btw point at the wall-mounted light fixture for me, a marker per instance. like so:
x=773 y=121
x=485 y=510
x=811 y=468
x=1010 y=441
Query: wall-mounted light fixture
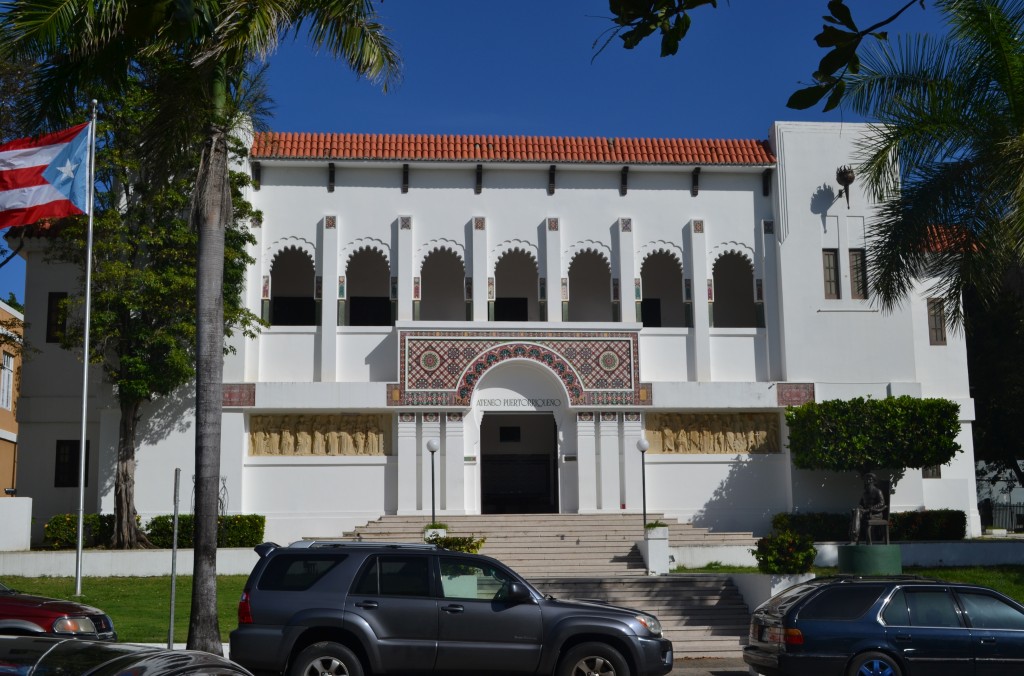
x=845 y=177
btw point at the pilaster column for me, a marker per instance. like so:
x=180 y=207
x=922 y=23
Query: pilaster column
x=479 y=269
x=553 y=270
x=609 y=448
x=627 y=271
x=407 y=488
x=586 y=461
x=700 y=345
x=431 y=429
x=454 y=464
x=327 y=287
x=632 y=432
x=405 y=268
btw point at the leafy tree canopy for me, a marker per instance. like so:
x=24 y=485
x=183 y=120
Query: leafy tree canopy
x=636 y=20
x=865 y=435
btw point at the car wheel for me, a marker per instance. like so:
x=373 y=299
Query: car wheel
x=593 y=659
x=326 y=658
x=874 y=664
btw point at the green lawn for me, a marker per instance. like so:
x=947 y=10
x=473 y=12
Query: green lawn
x=140 y=606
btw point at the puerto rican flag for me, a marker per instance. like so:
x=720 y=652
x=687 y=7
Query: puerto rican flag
x=44 y=177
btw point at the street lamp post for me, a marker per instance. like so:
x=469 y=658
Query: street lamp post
x=642 y=445
x=432 y=446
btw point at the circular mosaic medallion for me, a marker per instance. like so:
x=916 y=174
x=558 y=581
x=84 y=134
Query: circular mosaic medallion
x=430 y=360
x=609 y=361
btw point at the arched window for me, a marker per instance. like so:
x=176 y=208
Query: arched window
x=443 y=287
x=590 y=283
x=734 y=305
x=292 y=288
x=662 y=283
x=369 y=290
x=515 y=288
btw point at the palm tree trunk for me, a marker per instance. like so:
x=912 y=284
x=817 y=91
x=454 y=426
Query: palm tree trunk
x=127 y=534
x=213 y=205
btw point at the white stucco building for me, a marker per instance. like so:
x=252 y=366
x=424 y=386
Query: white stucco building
x=537 y=306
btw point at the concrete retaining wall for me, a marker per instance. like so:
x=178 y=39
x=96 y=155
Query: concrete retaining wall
x=107 y=563
x=954 y=553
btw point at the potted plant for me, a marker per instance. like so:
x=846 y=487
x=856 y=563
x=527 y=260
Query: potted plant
x=434 y=529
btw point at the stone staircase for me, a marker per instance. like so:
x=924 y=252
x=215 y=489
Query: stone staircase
x=595 y=557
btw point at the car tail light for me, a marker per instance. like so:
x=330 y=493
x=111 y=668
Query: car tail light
x=244 y=610
x=793 y=637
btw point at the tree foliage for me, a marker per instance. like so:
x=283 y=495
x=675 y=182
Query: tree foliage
x=80 y=44
x=946 y=161
x=865 y=435
x=636 y=20
x=143 y=309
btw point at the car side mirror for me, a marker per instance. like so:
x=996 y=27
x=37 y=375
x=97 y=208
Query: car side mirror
x=518 y=593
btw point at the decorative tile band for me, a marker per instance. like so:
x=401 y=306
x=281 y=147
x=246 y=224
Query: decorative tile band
x=609 y=417
x=443 y=368
x=631 y=417
x=431 y=417
x=454 y=417
x=794 y=394
x=585 y=417
x=239 y=394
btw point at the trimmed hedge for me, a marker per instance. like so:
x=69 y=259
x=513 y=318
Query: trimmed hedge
x=933 y=524
x=238 y=530
x=785 y=553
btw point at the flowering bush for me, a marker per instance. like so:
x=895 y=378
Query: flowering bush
x=785 y=553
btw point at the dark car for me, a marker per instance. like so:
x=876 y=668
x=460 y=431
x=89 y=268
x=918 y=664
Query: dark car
x=887 y=626
x=44 y=656
x=354 y=608
x=27 y=614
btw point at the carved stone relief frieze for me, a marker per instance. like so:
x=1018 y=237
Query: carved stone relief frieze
x=713 y=432
x=338 y=434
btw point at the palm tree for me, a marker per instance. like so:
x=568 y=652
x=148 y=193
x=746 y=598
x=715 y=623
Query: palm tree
x=946 y=160
x=82 y=43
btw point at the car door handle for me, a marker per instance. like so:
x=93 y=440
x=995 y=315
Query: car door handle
x=367 y=604
x=454 y=608
x=988 y=641
x=903 y=637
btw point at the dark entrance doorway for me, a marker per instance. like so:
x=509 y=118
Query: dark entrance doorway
x=518 y=463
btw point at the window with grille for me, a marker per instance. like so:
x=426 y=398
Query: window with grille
x=858 y=274
x=65 y=467
x=936 y=322
x=830 y=267
x=55 y=320
x=7 y=382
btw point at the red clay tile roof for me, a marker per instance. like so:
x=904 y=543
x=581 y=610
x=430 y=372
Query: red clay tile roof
x=481 y=148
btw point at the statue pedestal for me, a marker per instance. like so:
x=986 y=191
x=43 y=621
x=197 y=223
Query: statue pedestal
x=870 y=560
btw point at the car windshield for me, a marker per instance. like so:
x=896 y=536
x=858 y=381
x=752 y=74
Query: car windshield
x=781 y=601
x=4 y=589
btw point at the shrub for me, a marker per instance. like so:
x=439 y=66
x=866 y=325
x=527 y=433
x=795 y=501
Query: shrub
x=785 y=553
x=61 y=531
x=932 y=524
x=469 y=545
x=657 y=523
x=819 y=526
x=237 y=530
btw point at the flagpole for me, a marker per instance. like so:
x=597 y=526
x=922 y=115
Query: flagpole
x=83 y=444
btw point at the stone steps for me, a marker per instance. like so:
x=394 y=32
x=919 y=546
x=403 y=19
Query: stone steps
x=595 y=557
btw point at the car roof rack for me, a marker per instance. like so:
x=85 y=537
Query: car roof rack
x=359 y=544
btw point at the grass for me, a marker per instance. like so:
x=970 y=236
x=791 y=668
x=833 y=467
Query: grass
x=1006 y=579
x=140 y=606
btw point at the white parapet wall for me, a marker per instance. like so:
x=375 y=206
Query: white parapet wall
x=110 y=563
x=16 y=516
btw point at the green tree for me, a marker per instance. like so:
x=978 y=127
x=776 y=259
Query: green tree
x=82 y=43
x=873 y=435
x=636 y=20
x=947 y=158
x=143 y=316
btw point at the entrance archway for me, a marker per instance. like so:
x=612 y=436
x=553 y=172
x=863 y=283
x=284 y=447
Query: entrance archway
x=518 y=463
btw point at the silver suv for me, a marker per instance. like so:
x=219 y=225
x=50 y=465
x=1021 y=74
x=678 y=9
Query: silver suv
x=320 y=608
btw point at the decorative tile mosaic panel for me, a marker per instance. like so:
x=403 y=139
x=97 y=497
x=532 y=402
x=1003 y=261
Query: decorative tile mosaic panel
x=626 y=224
x=553 y=224
x=794 y=394
x=609 y=417
x=479 y=223
x=443 y=368
x=239 y=394
x=405 y=222
x=331 y=222
x=698 y=225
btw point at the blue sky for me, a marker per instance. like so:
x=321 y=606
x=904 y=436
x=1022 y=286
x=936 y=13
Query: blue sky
x=528 y=67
